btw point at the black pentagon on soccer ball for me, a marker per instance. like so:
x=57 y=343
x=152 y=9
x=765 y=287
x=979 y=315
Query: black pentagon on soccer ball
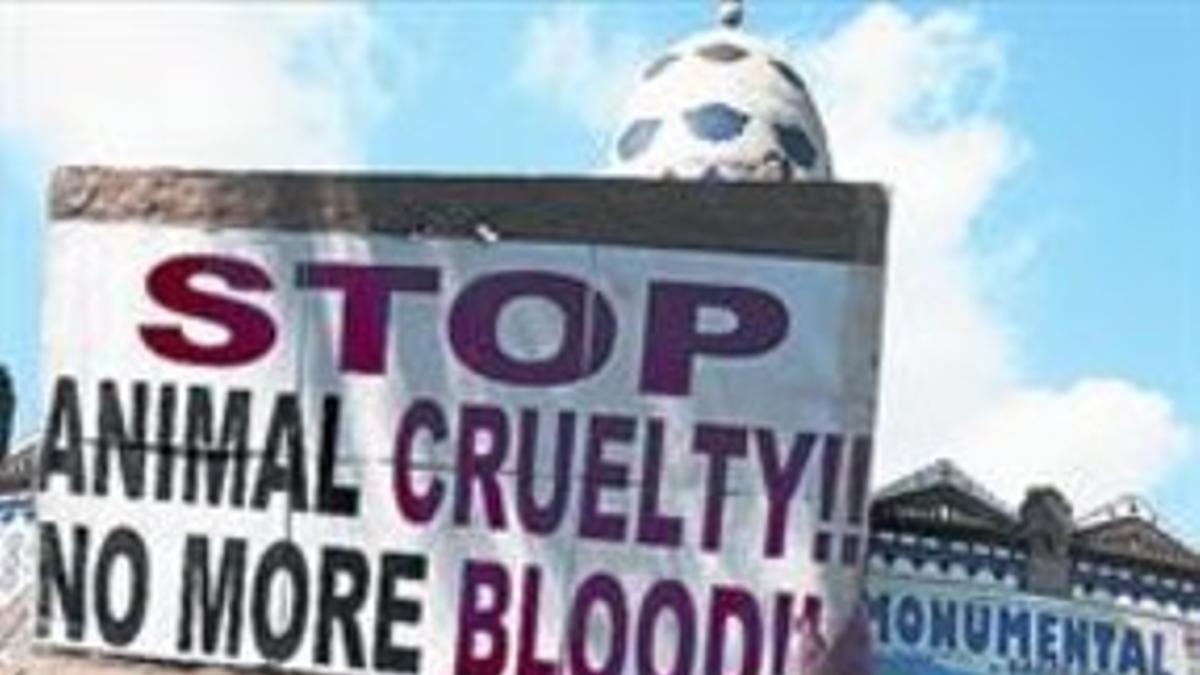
x=716 y=121
x=796 y=144
x=637 y=137
x=722 y=52
x=788 y=74
x=660 y=64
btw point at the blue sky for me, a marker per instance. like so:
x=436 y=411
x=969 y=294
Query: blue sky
x=1043 y=318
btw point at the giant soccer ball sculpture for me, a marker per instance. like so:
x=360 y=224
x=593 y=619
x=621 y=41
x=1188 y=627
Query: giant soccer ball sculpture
x=721 y=105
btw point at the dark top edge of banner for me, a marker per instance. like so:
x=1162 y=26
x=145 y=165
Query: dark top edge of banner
x=832 y=221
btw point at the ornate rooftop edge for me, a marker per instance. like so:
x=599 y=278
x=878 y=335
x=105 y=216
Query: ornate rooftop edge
x=940 y=519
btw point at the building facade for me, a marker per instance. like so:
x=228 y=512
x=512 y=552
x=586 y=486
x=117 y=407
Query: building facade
x=961 y=582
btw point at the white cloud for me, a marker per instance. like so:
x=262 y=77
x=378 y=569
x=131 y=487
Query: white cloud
x=570 y=64
x=1097 y=439
x=908 y=101
x=192 y=84
x=887 y=85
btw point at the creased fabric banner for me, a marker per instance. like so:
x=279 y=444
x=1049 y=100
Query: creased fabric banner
x=360 y=452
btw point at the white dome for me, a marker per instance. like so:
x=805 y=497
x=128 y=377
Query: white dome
x=721 y=105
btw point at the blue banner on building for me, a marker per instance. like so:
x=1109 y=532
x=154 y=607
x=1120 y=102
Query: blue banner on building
x=929 y=627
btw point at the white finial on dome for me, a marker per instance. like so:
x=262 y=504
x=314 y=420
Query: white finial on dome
x=721 y=105
x=730 y=13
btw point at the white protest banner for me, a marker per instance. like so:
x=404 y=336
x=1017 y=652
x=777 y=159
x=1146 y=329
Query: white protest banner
x=395 y=449
x=924 y=627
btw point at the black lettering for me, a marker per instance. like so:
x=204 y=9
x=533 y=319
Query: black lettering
x=200 y=449
x=334 y=499
x=389 y=609
x=197 y=589
x=53 y=577
x=62 y=447
x=121 y=543
x=285 y=557
x=332 y=607
x=164 y=480
x=197 y=437
x=277 y=474
x=129 y=443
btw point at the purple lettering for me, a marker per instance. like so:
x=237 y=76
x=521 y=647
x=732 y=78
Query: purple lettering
x=485 y=621
x=674 y=339
x=652 y=526
x=603 y=591
x=422 y=415
x=781 y=479
x=528 y=662
x=366 y=309
x=733 y=604
x=719 y=443
x=599 y=473
x=251 y=332
x=480 y=462
x=589 y=328
x=664 y=596
x=534 y=517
